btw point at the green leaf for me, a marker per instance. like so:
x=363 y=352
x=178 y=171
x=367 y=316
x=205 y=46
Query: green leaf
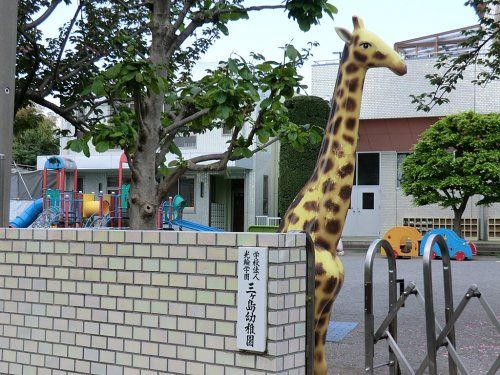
x=291 y=52
x=98 y=88
x=246 y=152
x=139 y=77
x=223 y=28
x=163 y=169
x=330 y=10
x=173 y=148
x=85 y=149
x=223 y=112
x=232 y=66
x=102 y=146
x=265 y=103
x=75 y=145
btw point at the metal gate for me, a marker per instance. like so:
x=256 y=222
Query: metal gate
x=388 y=328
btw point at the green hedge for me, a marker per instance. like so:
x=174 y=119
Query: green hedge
x=296 y=167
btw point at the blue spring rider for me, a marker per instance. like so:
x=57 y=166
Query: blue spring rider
x=459 y=248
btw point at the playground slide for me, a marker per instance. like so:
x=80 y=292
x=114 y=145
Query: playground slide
x=27 y=217
x=194 y=226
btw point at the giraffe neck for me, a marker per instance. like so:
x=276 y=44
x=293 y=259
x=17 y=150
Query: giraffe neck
x=321 y=207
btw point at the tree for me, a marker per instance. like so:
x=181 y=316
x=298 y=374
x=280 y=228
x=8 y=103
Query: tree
x=454 y=159
x=147 y=50
x=302 y=110
x=481 y=47
x=34 y=134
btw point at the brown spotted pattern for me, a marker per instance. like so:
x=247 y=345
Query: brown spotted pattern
x=321 y=206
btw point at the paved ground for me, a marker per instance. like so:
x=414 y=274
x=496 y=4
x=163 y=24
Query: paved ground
x=477 y=341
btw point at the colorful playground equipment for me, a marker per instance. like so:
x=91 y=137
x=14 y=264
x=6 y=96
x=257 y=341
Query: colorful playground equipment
x=68 y=208
x=408 y=242
x=459 y=248
x=404 y=240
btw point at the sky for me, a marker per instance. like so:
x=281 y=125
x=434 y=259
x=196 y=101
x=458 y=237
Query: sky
x=266 y=31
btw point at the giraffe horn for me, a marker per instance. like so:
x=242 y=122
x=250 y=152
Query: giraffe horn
x=358 y=22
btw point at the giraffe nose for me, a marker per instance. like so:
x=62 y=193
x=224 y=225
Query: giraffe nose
x=400 y=69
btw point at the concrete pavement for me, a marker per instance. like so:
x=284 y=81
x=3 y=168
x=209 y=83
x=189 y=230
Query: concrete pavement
x=477 y=341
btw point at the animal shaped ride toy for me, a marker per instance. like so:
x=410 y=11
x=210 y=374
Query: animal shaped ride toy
x=320 y=208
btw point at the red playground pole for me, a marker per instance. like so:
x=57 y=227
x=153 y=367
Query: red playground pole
x=66 y=211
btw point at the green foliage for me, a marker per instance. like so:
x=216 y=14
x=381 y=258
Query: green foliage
x=481 y=48
x=34 y=134
x=454 y=159
x=295 y=167
x=309 y=12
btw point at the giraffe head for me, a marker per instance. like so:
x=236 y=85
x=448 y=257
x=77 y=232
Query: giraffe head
x=368 y=50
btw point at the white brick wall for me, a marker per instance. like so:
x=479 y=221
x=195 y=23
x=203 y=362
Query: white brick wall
x=115 y=302
x=387 y=95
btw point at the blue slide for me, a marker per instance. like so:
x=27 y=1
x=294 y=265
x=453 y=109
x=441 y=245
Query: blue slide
x=28 y=216
x=194 y=226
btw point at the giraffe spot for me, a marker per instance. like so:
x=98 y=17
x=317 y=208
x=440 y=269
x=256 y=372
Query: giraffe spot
x=317 y=337
x=327 y=165
x=336 y=124
x=316 y=284
x=323 y=338
x=318 y=356
x=311 y=206
x=345 y=192
x=360 y=56
x=348 y=139
x=322 y=320
x=321 y=243
x=323 y=304
x=330 y=285
x=332 y=226
x=371 y=65
x=340 y=92
x=293 y=218
x=351 y=68
x=349 y=104
x=355 y=40
x=350 y=123
x=346 y=170
x=379 y=55
x=328 y=185
x=352 y=85
x=328 y=307
x=281 y=227
x=332 y=206
x=319 y=270
x=310 y=226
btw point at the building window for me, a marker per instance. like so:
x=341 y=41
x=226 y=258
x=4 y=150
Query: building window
x=185 y=188
x=400 y=158
x=79 y=184
x=186 y=142
x=227 y=131
x=112 y=185
x=265 y=196
x=368 y=167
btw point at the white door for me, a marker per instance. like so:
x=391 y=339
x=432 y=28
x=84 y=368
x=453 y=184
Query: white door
x=363 y=216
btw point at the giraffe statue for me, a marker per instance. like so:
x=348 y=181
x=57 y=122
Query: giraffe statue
x=320 y=208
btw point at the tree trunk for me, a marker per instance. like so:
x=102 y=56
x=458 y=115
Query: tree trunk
x=457 y=223
x=143 y=198
x=457 y=219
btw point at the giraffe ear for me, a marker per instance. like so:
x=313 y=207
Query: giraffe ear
x=358 y=23
x=344 y=34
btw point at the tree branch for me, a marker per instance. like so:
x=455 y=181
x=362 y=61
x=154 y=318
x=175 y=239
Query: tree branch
x=44 y=16
x=66 y=37
x=34 y=97
x=21 y=94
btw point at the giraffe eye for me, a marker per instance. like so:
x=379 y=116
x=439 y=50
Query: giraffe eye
x=365 y=45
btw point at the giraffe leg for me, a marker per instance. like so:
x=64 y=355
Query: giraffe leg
x=320 y=363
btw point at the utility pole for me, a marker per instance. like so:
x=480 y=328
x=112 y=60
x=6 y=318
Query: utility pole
x=8 y=39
